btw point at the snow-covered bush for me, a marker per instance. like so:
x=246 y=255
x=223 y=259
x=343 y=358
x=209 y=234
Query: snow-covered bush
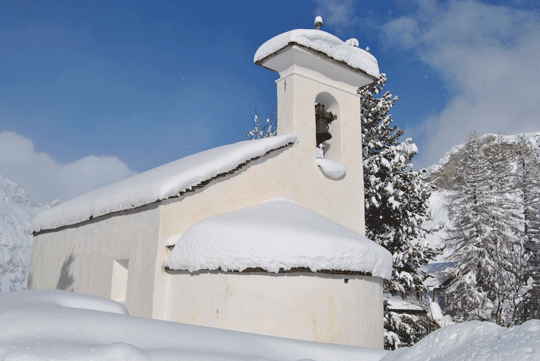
x=269 y=129
x=404 y=329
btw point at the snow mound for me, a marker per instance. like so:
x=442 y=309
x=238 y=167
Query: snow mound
x=157 y=184
x=60 y=298
x=52 y=333
x=475 y=341
x=325 y=43
x=276 y=235
x=332 y=169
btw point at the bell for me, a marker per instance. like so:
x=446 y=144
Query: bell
x=322 y=117
x=322 y=133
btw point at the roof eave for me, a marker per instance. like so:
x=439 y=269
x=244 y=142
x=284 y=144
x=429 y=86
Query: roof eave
x=318 y=52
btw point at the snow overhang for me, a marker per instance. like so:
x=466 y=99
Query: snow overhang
x=276 y=236
x=275 y=55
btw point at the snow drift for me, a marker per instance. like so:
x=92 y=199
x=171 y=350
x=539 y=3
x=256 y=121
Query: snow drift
x=50 y=332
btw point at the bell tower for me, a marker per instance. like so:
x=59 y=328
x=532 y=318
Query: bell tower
x=317 y=69
x=318 y=102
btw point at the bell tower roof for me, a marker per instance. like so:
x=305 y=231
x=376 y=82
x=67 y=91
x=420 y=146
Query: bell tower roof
x=347 y=54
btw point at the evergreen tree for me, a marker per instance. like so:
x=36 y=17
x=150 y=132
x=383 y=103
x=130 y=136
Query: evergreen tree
x=528 y=189
x=466 y=296
x=506 y=231
x=484 y=237
x=396 y=204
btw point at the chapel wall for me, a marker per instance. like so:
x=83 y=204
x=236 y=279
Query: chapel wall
x=304 y=306
x=81 y=258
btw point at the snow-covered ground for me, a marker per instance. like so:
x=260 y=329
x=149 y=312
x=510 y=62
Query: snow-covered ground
x=475 y=341
x=59 y=325
x=64 y=327
x=16 y=212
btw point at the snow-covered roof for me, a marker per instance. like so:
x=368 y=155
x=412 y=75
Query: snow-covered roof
x=274 y=235
x=398 y=304
x=157 y=184
x=436 y=275
x=323 y=42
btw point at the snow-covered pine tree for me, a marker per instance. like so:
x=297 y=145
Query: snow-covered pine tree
x=396 y=205
x=467 y=295
x=506 y=230
x=528 y=189
x=484 y=236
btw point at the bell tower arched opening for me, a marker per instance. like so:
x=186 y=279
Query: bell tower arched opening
x=332 y=146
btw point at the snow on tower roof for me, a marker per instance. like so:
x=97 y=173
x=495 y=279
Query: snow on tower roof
x=274 y=235
x=323 y=42
x=157 y=184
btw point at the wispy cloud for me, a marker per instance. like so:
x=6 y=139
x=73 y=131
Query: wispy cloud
x=488 y=56
x=340 y=14
x=46 y=180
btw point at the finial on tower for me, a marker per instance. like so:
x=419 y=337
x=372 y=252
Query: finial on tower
x=318 y=22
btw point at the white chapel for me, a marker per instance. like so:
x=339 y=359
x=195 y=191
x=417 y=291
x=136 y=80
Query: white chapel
x=261 y=236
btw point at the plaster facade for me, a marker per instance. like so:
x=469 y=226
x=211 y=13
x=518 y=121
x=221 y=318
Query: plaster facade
x=317 y=307
x=81 y=258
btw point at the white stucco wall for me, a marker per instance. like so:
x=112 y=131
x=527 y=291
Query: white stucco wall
x=300 y=116
x=81 y=258
x=305 y=306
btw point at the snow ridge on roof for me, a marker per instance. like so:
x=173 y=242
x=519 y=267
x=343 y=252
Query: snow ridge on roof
x=324 y=42
x=274 y=235
x=157 y=184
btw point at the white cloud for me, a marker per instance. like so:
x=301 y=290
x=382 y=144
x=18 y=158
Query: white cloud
x=488 y=55
x=340 y=14
x=45 y=179
x=402 y=32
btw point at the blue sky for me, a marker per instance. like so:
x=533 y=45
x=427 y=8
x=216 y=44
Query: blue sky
x=94 y=91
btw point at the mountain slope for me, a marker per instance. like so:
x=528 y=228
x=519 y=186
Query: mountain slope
x=443 y=173
x=16 y=212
